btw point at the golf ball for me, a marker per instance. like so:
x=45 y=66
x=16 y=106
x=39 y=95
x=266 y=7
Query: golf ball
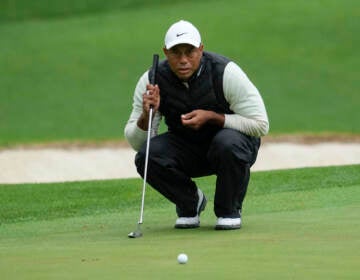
x=182 y=258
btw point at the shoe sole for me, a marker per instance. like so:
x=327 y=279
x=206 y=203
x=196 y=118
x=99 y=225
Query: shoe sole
x=228 y=227
x=187 y=226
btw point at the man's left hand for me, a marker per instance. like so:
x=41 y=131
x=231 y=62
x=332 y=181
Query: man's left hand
x=198 y=118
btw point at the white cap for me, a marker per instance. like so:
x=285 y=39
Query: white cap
x=182 y=32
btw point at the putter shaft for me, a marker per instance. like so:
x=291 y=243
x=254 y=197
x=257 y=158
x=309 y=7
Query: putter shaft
x=138 y=233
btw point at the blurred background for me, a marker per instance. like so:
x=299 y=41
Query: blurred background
x=68 y=68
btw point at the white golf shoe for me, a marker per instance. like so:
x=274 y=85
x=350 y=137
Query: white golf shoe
x=228 y=223
x=192 y=222
x=187 y=222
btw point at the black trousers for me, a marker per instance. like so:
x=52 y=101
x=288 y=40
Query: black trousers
x=174 y=161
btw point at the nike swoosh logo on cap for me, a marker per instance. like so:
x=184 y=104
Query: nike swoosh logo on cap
x=180 y=34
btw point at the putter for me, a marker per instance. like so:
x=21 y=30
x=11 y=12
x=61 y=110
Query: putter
x=138 y=233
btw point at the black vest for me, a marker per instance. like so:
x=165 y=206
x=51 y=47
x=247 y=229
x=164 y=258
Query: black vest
x=205 y=92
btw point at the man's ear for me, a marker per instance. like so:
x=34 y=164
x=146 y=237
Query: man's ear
x=165 y=51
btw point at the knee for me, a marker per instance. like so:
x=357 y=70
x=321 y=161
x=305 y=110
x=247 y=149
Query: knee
x=222 y=144
x=231 y=145
x=157 y=155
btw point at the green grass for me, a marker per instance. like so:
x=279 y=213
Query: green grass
x=298 y=224
x=15 y=10
x=67 y=73
x=70 y=77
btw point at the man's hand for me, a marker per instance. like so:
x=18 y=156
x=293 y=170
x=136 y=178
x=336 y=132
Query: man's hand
x=151 y=99
x=198 y=118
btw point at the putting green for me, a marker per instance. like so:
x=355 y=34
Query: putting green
x=316 y=239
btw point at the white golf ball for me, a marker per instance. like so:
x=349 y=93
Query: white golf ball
x=182 y=258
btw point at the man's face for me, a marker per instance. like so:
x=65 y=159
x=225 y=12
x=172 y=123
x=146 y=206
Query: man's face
x=184 y=59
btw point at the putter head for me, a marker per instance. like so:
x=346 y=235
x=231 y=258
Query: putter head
x=135 y=234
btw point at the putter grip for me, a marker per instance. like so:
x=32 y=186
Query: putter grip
x=154 y=69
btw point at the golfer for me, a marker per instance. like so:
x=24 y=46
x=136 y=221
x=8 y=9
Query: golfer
x=214 y=116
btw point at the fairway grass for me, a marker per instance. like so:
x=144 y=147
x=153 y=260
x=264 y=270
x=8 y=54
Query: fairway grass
x=294 y=228
x=72 y=78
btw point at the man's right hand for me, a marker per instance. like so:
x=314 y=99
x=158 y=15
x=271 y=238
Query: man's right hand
x=151 y=99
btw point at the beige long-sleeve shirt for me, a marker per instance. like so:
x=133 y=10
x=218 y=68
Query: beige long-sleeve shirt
x=250 y=116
